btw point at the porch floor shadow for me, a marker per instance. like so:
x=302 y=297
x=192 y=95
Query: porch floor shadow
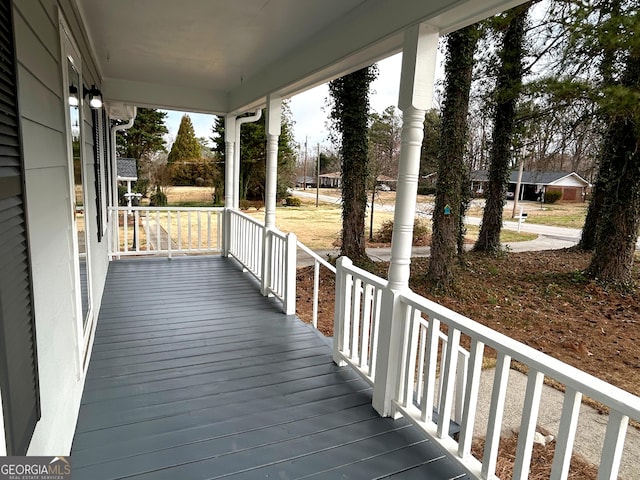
x=195 y=375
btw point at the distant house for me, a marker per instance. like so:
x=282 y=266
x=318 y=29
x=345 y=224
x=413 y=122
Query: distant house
x=331 y=180
x=571 y=185
x=304 y=182
x=334 y=180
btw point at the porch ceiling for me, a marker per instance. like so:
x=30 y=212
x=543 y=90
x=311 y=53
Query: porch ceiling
x=224 y=56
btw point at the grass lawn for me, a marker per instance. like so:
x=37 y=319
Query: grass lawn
x=319 y=227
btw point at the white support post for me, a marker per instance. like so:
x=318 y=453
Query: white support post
x=229 y=153
x=341 y=309
x=416 y=92
x=290 y=274
x=274 y=121
x=229 y=187
x=390 y=348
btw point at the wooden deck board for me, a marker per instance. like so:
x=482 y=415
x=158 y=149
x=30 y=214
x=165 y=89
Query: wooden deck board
x=195 y=375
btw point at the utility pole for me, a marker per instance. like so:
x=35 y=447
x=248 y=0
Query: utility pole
x=318 y=177
x=516 y=195
x=373 y=199
x=304 y=181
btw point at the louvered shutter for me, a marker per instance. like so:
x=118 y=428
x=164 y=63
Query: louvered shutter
x=18 y=364
x=97 y=170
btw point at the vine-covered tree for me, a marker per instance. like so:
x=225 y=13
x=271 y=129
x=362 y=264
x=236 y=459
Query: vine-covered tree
x=507 y=91
x=186 y=146
x=452 y=186
x=350 y=116
x=615 y=208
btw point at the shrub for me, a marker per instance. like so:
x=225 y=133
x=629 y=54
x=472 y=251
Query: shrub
x=292 y=202
x=122 y=200
x=421 y=232
x=141 y=186
x=158 y=198
x=552 y=196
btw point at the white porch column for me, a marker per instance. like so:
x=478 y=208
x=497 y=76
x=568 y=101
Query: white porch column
x=274 y=116
x=416 y=91
x=416 y=94
x=229 y=153
x=229 y=187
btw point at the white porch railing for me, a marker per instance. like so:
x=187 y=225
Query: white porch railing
x=357 y=318
x=165 y=230
x=431 y=396
x=268 y=254
x=317 y=263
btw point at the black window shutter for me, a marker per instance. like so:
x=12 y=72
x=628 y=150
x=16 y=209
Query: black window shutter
x=105 y=150
x=18 y=362
x=97 y=170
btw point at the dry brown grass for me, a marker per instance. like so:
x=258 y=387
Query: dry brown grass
x=541 y=460
x=316 y=227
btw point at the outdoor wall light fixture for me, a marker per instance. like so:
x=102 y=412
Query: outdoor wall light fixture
x=95 y=96
x=73 y=96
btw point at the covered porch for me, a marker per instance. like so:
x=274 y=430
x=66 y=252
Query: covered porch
x=197 y=375
x=200 y=369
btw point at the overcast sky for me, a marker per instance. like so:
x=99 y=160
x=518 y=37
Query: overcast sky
x=307 y=108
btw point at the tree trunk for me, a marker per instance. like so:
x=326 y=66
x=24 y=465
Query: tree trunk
x=607 y=68
x=589 y=231
x=507 y=91
x=617 y=230
x=351 y=113
x=448 y=209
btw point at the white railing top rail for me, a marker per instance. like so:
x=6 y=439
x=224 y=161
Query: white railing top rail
x=364 y=275
x=316 y=257
x=247 y=217
x=142 y=208
x=599 y=390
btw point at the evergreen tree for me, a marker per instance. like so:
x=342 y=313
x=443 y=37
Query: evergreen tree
x=145 y=138
x=452 y=189
x=430 y=143
x=350 y=114
x=186 y=146
x=143 y=141
x=508 y=88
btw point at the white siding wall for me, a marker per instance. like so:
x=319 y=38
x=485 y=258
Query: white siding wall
x=41 y=106
x=569 y=181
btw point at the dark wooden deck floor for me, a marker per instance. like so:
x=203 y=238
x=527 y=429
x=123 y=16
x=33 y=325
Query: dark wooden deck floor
x=195 y=375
